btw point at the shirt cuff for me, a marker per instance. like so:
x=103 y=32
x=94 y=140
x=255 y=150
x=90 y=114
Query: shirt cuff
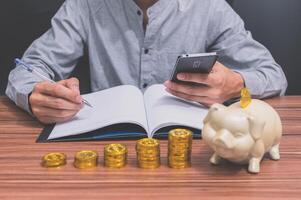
x=20 y=97
x=252 y=82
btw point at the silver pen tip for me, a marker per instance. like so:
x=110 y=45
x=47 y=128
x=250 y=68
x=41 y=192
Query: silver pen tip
x=87 y=103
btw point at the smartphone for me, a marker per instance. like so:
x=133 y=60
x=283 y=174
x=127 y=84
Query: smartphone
x=193 y=63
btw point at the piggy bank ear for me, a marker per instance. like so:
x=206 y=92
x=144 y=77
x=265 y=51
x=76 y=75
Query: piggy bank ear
x=256 y=127
x=213 y=108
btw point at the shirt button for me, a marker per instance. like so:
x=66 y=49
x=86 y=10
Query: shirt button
x=146 y=51
x=144 y=85
x=139 y=12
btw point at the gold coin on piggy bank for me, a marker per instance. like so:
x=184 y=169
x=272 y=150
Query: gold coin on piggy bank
x=243 y=135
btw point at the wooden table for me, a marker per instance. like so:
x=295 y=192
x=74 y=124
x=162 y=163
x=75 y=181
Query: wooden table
x=22 y=177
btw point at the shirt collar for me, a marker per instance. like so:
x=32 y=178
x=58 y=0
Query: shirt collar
x=158 y=7
x=183 y=4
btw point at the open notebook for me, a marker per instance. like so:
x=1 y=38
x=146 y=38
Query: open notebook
x=125 y=112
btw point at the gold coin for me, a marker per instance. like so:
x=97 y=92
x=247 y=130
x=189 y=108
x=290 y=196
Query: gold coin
x=178 y=165
x=108 y=157
x=180 y=136
x=246 y=98
x=145 y=155
x=54 y=160
x=86 y=155
x=86 y=159
x=115 y=149
x=115 y=165
x=178 y=159
x=149 y=165
x=147 y=143
x=150 y=159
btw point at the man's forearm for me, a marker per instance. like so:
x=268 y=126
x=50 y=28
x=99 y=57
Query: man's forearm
x=265 y=82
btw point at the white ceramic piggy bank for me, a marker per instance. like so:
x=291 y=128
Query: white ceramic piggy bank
x=243 y=135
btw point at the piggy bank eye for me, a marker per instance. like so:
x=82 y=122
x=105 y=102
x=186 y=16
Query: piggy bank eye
x=238 y=134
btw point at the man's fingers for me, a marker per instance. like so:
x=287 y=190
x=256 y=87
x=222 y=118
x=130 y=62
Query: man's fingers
x=188 y=89
x=58 y=90
x=218 y=86
x=195 y=77
x=56 y=102
x=212 y=79
x=72 y=83
x=41 y=111
x=184 y=96
x=203 y=94
x=39 y=99
x=206 y=101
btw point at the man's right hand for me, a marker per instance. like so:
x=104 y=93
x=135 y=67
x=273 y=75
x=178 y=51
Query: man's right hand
x=56 y=102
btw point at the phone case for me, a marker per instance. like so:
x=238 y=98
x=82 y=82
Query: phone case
x=202 y=63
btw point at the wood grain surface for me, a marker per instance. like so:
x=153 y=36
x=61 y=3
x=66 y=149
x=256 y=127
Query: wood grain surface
x=22 y=177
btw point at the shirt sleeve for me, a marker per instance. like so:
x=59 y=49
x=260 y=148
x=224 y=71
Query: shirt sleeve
x=239 y=51
x=55 y=54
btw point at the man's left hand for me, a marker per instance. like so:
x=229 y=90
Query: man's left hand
x=218 y=86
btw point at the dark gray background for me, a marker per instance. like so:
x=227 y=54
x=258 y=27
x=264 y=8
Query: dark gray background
x=275 y=23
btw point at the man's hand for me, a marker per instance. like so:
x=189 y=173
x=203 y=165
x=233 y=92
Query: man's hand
x=218 y=86
x=59 y=102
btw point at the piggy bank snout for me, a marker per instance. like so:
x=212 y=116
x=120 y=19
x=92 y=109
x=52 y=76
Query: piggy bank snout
x=224 y=139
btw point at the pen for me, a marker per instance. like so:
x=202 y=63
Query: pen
x=31 y=70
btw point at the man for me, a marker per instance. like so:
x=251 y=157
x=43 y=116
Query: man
x=137 y=42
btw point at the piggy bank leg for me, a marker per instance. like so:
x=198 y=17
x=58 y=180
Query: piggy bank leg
x=274 y=152
x=254 y=165
x=215 y=159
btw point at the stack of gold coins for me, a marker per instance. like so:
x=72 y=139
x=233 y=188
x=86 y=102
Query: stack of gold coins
x=86 y=159
x=54 y=160
x=179 y=148
x=115 y=156
x=148 y=153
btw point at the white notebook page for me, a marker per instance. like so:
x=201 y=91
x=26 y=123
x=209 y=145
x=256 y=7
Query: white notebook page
x=123 y=104
x=164 y=109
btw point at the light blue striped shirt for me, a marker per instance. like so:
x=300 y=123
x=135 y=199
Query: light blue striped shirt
x=120 y=52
